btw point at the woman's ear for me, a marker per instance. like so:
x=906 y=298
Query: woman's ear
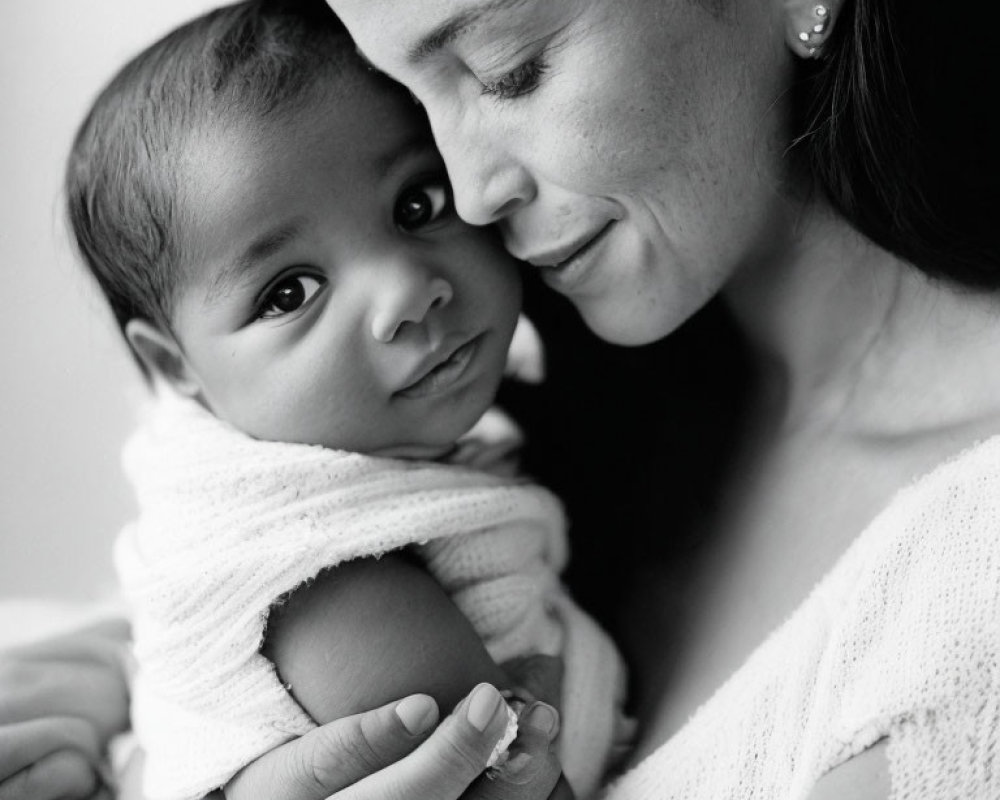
x=162 y=356
x=808 y=24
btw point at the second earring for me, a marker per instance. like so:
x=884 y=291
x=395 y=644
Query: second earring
x=813 y=38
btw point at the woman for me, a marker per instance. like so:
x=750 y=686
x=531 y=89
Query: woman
x=648 y=155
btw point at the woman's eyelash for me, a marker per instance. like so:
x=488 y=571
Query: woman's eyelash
x=520 y=81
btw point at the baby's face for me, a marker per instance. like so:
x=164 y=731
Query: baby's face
x=331 y=294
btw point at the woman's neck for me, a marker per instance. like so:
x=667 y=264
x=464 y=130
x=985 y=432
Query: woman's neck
x=850 y=336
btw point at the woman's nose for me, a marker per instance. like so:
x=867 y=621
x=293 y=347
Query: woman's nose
x=487 y=183
x=406 y=294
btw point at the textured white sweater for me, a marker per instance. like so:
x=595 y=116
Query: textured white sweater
x=900 y=640
x=228 y=525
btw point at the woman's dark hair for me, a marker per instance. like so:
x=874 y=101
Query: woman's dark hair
x=899 y=132
x=244 y=61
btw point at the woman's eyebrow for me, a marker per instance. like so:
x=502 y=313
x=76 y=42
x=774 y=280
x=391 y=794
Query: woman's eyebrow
x=259 y=249
x=457 y=24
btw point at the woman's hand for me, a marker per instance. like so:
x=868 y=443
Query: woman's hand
x=396 y=753
x=51 y=758
x=61 y=700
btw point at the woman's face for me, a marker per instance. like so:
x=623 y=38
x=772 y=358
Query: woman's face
x=631 y=149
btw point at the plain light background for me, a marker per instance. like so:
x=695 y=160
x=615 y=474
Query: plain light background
x=67 y=386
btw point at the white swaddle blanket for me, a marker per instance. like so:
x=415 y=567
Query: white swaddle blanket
x=229 y=524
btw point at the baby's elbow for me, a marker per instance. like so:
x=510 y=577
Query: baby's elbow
x=371 y=631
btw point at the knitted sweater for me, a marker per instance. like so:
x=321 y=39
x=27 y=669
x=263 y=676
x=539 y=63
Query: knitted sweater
x=900 y=640
x=228 y=525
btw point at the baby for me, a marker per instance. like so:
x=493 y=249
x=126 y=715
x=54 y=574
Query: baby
x=273 y=229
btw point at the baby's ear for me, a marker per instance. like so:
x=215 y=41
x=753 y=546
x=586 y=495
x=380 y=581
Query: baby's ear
x=162 y=356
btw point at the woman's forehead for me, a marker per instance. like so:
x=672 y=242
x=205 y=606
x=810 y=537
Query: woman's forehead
x=412 y=32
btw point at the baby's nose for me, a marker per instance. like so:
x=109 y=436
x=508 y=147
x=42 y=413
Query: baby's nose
x=408 y=298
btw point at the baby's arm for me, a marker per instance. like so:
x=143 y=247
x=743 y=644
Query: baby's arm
x=371 y=631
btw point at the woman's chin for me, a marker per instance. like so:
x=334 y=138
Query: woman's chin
x=629 y=328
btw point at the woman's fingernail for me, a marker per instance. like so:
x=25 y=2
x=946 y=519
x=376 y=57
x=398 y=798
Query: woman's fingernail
x=417 y=713
x=543 y=717
x=483 y=706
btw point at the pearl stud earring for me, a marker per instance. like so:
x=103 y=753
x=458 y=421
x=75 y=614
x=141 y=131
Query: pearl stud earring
x=813 y=38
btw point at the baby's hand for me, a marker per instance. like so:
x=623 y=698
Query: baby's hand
x=537 y=677
x=491 y=445
x=531 y=771
x=526 y=357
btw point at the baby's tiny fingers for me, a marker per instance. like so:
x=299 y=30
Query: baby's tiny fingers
x=532 y=772
x=540 y=676
x=541 y=717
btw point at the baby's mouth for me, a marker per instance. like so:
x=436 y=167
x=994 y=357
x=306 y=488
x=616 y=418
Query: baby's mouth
x=445 y=374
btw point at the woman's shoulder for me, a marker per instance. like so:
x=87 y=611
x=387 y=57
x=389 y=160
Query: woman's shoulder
x=938 y=540
x=949 y=517
x=916 y=645
x=924 y=602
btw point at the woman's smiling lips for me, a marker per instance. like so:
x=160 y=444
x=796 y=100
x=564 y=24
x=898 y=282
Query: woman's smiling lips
x=566 y=267
x=446 y=367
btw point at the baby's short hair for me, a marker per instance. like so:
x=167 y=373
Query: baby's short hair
x=245 y=61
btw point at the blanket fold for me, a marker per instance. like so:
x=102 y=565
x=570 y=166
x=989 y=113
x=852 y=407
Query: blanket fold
x=228 y=525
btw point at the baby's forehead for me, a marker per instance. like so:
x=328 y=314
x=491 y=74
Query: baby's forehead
x=239 y=177
x=370 y=114
x=353 y=116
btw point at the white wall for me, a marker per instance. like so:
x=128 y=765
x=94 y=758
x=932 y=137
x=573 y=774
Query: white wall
x=65 y=379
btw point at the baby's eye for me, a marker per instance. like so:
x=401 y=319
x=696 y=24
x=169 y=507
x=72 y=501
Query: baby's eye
x=422 y=204
x=288 y=295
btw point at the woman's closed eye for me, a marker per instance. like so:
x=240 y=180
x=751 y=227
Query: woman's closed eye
x=288 y=295
x=423 y=204
x=520 y=81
